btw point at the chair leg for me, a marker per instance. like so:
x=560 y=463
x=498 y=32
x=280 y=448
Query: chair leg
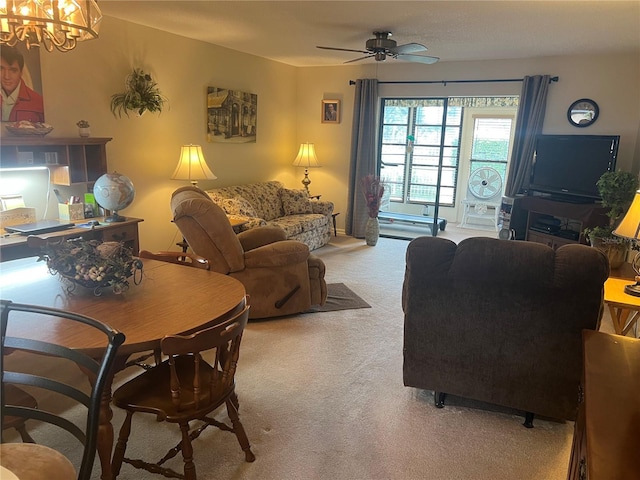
x=121 y=445
x=235 y=401
x=238 y=429
x=438 y=398
x=528 y=419
x=26 y=438
x=187 y=453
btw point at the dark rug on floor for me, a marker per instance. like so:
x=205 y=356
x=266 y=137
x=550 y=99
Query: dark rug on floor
x=339 y=297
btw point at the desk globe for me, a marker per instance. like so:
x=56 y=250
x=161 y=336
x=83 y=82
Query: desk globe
x=114 y=191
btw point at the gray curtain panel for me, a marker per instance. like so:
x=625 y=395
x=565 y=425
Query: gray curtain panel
x=363 y=153
x=533 y=101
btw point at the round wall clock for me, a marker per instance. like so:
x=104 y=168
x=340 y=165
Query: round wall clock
x=583 y=112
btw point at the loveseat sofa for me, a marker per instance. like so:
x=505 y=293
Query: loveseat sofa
x=500 y=321
x=269 y=203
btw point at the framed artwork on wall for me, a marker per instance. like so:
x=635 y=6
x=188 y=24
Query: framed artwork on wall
x=331 y=111
x=21 y=84
x=232 y=116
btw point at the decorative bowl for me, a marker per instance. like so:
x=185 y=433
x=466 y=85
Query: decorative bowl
x=28 y=131
x=93 y=265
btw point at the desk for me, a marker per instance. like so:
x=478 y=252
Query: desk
x=171 y=299
x=15 y=246
x=624 y=308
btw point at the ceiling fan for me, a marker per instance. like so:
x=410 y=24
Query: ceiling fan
x=382 y=47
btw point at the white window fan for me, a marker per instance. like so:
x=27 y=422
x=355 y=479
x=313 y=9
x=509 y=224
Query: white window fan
x=484 y=195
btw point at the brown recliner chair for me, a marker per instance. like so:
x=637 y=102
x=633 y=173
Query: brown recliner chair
x=280 y=275
x=500 y=321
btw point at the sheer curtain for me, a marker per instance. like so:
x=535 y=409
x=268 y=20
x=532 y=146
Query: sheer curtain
x=533 y=101
x=363 y=153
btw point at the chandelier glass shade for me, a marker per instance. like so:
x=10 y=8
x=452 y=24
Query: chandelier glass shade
x=50 y=24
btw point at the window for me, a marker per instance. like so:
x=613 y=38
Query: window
x=420 y=145
x=490 y=144
x=419 y=150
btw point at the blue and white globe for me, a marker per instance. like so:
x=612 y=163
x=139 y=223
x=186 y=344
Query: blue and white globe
x=114 y=192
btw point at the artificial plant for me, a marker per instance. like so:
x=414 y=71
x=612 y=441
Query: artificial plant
x=141 y=94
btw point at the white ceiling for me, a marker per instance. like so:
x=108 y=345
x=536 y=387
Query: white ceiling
x=288 y=31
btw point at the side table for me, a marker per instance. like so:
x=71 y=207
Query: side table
x=624 y=308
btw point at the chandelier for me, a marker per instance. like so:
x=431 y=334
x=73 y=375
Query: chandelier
x=48 y=23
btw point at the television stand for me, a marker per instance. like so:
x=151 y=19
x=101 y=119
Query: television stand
x=571 y=199
x=571 y=218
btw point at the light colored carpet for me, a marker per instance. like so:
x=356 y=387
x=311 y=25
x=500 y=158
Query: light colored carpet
x=325 y=400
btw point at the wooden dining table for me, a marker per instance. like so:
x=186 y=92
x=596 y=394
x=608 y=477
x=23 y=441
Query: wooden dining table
x=171 y=299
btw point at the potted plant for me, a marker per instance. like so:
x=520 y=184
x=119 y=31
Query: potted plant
x=141 y=94
x=617 y=190
x=84 y=129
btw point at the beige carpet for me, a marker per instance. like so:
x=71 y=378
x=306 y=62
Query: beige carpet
x=325 y=400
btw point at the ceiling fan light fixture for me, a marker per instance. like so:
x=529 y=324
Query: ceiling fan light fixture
x=382 y=46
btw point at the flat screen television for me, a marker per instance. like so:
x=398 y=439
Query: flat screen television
x=568 y=166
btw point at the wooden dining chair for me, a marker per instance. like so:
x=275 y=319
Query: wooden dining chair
x=35 y=461
x=186 y=387
x=179 y=258
x=17 y=396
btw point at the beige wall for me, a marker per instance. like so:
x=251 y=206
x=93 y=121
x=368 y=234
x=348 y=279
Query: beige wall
x=79 y=84
x=611 y=80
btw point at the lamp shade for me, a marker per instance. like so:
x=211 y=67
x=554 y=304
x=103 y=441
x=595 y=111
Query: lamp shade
x=306 y=156
x=192 y=165
x=630 y=225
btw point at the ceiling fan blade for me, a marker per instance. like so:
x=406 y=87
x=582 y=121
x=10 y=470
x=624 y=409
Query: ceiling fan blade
x=408 y=48
x=358 y=59
x=417 y=58
x=342 y=49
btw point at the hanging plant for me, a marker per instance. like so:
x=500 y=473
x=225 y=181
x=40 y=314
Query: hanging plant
x=141 y=94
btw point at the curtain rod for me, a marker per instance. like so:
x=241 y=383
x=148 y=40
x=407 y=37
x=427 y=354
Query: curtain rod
x=444 y=82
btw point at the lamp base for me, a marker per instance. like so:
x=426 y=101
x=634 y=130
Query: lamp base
x=306 y=181
x=632 y=289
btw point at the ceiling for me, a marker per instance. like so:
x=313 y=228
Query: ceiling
x=289 y=31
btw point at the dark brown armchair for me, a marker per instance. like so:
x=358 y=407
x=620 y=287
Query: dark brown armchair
x=500 y=321
x=280 y=275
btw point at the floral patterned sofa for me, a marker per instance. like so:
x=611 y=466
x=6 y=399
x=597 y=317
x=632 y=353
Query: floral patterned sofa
x=269 y=203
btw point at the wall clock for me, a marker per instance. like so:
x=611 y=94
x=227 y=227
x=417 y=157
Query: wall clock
x=583 y=112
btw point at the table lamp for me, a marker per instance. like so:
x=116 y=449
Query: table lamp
x=192 y=166
x=306 y=158
x=630 y=228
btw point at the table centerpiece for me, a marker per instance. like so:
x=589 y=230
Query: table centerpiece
x=92 y=264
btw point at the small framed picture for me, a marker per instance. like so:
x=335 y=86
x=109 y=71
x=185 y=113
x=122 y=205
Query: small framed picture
x=331 y=111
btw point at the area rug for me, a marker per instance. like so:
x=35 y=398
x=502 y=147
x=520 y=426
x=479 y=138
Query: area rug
x=339 y=297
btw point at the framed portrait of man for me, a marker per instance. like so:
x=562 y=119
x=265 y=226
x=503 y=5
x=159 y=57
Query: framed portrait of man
x=331 y=111
x=21 y=80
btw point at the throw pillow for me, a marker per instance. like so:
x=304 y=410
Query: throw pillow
x=238 y=206
x=295 y=202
